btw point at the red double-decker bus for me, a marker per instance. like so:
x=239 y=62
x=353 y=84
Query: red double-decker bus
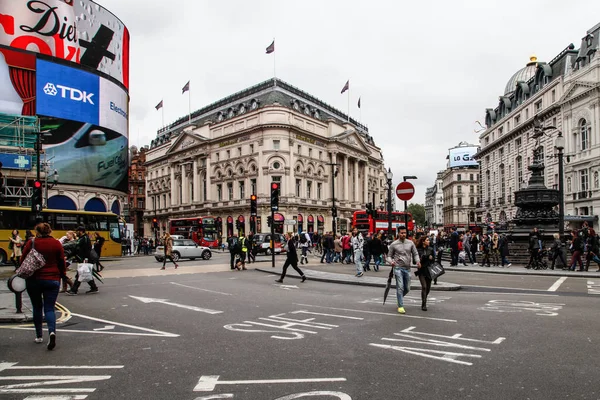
x=367 y=224
x=202 y=230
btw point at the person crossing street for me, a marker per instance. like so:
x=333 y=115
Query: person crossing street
x=402 y=252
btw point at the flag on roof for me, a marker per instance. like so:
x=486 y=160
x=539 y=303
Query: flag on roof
x=185 y=88
x=346 y=86
x=271 y=47
x=159 y=105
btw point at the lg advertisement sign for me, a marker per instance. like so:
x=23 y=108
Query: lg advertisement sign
x=79 y=31
x=463 y=157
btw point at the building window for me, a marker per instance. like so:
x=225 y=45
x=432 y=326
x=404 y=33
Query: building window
x=472 y=201
x=299 y=150
x=276 y=144
x=298 y=183
x=502 y=182
x=508 y=126
x=251 y=149
x=472 y=189
x=459 y=199
x=459 y=189
x=242 y=190
x=583 y=180
x=131 y=191
x=140 y=190
x=308 y=189
x=219 y=192
x=526 y=114
x=517 y=120
x=228 y=154
x=487 y=141
x=218 y=156
x=519 y=168
x=320 y=189
x=320 y=155
x=204 y=189
x=140 y=204
x=239 y=151
x=585 y=134
x=157 y=203
x=538 y=106
x=508 y=147
x=309 y=153
x=458 y=177
x=470 y=177
x=139 y=176
x=553 y=95
x=500 y=130
x=230 y=190
x=488 y=184
x=253 y=186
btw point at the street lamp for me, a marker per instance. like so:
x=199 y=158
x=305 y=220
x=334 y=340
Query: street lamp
x=559 y=144
x=334 y=173
x=405 y=178
x=389 y=175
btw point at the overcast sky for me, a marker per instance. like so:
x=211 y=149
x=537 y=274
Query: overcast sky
x=426 y=70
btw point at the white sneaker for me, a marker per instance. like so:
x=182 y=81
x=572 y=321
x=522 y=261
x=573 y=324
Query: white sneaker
x=39 y=340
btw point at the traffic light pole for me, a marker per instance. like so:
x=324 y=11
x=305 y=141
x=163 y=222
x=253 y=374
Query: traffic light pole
x=272 y=244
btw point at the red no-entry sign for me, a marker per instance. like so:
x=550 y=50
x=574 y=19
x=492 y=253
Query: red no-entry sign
x=405 y=191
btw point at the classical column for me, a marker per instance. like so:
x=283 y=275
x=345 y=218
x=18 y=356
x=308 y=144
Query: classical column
x=366 y=184
x=196 y=180
x=209 y=193
x=346 y=192
x=291 y=189
x=185 y=187
x=356 y=180
x=173 y=186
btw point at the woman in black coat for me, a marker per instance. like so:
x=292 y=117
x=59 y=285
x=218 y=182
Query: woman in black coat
x=291 y=259
x=426 y=257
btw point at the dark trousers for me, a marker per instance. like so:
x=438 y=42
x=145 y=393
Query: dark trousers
x=251 y=255
x=367 y=261
x=474 y=255
x=558 y=253
x=232 y=259
x=425 y=288
x=170 y=258
x=43 y=296
x=77 y=283
x=576 y=258
x=454 y=256
x=294 y=264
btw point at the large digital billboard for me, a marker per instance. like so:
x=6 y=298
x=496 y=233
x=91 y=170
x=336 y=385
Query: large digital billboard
x=79 y=31
x=17 y=82
x=86 y=154
x=463 y=157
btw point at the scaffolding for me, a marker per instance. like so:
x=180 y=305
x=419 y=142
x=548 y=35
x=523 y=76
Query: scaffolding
x=18 y=135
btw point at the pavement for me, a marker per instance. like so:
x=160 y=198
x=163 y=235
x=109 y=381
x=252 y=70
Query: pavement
x=316 y=271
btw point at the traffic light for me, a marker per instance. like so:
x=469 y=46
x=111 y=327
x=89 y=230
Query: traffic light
x=36 y=197
x=253 y=206
x=155 y=223
x=334 y=212
x=274 y=196
x=269 y=221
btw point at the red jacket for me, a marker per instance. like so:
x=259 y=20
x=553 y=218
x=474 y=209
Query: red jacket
x=54 y=255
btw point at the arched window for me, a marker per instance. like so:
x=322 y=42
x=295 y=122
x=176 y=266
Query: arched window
x=584 y=131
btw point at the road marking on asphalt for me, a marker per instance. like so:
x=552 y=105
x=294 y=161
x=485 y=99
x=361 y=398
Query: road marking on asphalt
x=512 y=294
x=207 y=383
x=593 y=288
x=148 y=300
x=408 y=335
x=36 y=383
x=557 y=284
x=517 y=306
x=106 y=328
x=196 y=288
x=378 y=313
x=502 y=287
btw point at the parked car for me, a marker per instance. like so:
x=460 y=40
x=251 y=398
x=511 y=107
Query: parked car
x=262 y=243
x=184 y=248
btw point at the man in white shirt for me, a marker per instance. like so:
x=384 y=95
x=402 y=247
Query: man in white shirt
x=305 y=242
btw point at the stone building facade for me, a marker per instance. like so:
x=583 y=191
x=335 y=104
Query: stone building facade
x=563 y=93
x=136 y=199
x=460 y=193
x=238 y=146
x=434 y=203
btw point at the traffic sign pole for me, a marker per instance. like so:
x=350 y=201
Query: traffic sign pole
x=405 y=191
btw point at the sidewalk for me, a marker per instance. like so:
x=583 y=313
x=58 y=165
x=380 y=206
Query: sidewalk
x=515 y=269
x=7 y=306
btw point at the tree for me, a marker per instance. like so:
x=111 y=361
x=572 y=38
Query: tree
x=418 y=213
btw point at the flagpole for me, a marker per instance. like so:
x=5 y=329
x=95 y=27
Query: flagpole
x=163 y=115
x=348 y=103
x=274 y=71
x=190 y=105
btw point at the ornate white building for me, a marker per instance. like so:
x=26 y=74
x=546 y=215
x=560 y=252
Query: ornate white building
x=238 y=146
x=434 y=203
x=563 y=93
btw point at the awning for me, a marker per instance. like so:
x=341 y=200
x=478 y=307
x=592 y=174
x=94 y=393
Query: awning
x=581 y=218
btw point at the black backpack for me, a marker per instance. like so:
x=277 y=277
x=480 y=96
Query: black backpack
x=302 y=238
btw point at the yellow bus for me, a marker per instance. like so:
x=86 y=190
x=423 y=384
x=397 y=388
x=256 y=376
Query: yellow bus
x=61 y=221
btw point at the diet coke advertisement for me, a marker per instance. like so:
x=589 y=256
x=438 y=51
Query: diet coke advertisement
x=79 y=31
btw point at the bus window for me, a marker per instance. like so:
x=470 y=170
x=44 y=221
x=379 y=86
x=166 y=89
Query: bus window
x=113 y=225
x=65 y=222
x=9 y=220
x=102 y=223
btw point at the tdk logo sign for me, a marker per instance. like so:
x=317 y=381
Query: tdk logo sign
x=118 y=110
x=68 y=93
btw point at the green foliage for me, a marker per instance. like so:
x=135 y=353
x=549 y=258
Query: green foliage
x=418 y=213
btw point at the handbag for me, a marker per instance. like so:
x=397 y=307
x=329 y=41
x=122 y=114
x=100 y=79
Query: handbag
x=31 y=263
x=436 y=270
x=84 y=272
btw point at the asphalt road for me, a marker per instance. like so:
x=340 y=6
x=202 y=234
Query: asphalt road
x=211 y=333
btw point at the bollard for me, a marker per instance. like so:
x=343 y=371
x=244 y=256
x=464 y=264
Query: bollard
x=19 y=302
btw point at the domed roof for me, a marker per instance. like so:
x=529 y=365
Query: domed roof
x=523 y=74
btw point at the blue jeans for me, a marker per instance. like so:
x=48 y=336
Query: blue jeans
x=402 y=284
x=357 y=261
x=43 y=295
x=367 y=260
